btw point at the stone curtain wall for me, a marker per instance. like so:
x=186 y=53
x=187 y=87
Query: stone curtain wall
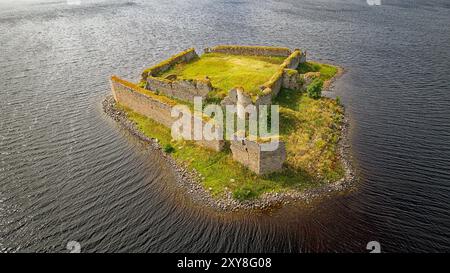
x=282 y=78
x=249 y=50
x=153 y=106
x=188 y=89
x=294 y=59
x=172 y=87
x=181 y=57
x=142 y=101
x=275 y=83
x=249 y=154
x=181 y=89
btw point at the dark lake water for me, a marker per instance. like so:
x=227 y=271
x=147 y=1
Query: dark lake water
x=67 y=172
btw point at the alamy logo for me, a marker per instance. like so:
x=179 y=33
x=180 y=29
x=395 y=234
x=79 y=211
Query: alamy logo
x=237 y=123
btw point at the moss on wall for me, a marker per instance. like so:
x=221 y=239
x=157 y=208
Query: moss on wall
x=183 y=56
x=250 y=50
x=144 y=91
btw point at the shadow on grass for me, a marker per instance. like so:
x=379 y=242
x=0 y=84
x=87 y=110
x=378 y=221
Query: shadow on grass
x=326 y=71
x=293 y=178
x=289 y=102
x=288 y=98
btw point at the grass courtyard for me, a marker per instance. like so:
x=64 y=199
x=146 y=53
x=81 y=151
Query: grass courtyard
x=228 y=71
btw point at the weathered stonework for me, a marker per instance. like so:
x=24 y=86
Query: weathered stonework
x=249 y=50
x=171 y=86
x=156 y=107
x=292 y=79
x=275 y=83
x=297 y=57
x=250 y=154
x=272 y=87
x=181 y=57
x=181 y=89
x=142 y=101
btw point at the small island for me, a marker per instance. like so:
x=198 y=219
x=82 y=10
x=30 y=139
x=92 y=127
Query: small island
x=237 y=174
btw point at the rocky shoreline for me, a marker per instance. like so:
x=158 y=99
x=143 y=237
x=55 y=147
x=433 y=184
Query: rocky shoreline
x=191 y=180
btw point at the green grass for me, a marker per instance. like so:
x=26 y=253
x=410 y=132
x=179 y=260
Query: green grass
x=168 y=148
x=310 y=128
x=326 y=71
x=228 y=71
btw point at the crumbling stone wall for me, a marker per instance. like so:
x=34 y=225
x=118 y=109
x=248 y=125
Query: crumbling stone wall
x=181 y=89
x=294 y=59
x=285 y=77
x=142 y=101
x=273 y=86
x=249 y=50
x=181 y=57
x=188 y=89
x=292 y=79
x=238 y=96
x=250 y=154
x=171 y=86
x=154 y=106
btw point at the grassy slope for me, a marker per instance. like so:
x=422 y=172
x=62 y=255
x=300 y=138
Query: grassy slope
x=309 y=128
x=326 y=71
x=228 y=71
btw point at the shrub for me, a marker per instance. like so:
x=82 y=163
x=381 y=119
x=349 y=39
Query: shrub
x=244 y=193
x=338 y=100
x=142 y=84
x=169 y=148
x=314 y=89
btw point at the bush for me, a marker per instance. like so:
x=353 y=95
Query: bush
x=142 y=84
x=169 y=148
x=314 y=89
x=244 y=193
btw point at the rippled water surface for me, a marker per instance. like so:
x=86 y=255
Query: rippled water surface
x=67 y=172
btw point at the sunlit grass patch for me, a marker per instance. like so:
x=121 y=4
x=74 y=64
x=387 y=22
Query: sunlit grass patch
x=228 y=71
x=311 y=130
x=326 y=71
